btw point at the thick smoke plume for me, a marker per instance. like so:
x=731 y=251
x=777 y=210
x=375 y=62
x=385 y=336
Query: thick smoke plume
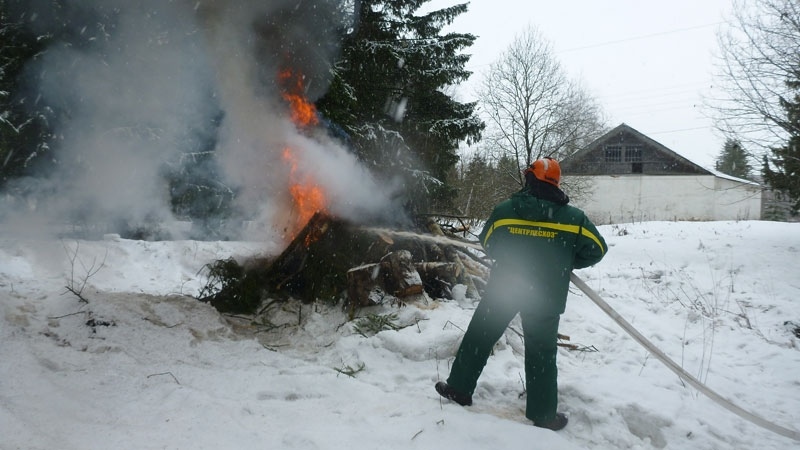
x=138 y=87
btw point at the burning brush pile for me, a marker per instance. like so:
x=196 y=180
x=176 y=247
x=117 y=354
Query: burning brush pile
x=330 y=259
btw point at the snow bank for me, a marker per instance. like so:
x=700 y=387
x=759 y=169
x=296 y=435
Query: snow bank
x=143 y=365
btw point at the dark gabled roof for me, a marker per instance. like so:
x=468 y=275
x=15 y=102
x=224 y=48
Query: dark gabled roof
x=613 y=137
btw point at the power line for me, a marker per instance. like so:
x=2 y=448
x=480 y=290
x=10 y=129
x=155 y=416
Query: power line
x=683 y=98
x=654 y=100
x=682 y=102
x=674 y=89
x=678 y=130
x=636 y=38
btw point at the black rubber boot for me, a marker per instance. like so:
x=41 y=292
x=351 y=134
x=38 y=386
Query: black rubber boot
x=447 y=391
x=557 y=423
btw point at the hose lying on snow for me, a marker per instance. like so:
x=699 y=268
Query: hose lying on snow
x=722 y=401
x=678 y=370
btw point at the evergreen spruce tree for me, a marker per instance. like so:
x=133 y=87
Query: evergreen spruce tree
x=732 y=160
x=197 y=189
x=24 y=132
x=388 y=94
x=782 y=170
x=28 y=118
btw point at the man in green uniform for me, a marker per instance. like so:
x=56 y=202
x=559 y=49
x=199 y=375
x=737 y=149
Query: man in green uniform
x=536 y=240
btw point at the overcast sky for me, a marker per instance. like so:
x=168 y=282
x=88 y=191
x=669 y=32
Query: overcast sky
x=648 y=63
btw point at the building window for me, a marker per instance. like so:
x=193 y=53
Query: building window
x=613 y=153
x=633 y=154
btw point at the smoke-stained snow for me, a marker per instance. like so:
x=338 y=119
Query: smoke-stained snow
x=143 y=367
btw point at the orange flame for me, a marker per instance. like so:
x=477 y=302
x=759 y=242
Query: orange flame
x=308 y=197
x=303 y=112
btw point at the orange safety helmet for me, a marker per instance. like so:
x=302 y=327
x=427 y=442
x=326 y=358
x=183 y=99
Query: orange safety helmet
x=547 y=170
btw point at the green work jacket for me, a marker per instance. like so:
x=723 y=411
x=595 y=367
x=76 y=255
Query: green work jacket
x=535 y=244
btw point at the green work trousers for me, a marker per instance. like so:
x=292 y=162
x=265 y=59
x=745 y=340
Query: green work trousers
x=540 y=334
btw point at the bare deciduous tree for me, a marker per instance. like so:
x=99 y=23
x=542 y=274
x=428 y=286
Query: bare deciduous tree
x=532 y=108
x=758 y=56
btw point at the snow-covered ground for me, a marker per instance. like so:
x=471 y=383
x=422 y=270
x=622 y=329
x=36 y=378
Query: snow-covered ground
x=143 y=365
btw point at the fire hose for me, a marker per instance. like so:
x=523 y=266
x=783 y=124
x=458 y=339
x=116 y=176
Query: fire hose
x=678 y=370
x=638 y=337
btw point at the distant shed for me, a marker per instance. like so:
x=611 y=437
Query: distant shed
x=633 y=178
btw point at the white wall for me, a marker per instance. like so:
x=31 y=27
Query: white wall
x=637 y=198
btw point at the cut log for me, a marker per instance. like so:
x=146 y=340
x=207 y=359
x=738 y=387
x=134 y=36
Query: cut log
x=439 y=277
x=395 y=278
x=402 y=278
x=364 y=285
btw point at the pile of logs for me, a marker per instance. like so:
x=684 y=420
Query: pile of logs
x=331 y=259
x=376 y=265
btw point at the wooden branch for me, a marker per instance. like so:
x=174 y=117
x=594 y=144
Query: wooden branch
x=89 y=272
x=164 y=373
x=477 y=259
x=77 y=293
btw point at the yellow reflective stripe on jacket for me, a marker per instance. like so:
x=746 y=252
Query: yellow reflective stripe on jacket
x=574 y=229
